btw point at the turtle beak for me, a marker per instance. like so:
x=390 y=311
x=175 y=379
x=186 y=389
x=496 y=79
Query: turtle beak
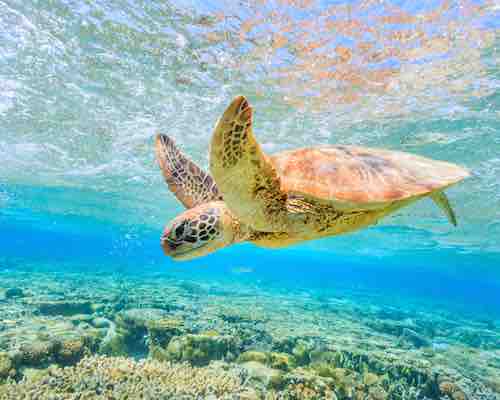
x=177 y=251
x=167 y=246
x=181 y=251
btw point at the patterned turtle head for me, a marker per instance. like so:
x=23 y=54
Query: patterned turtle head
x=199 y=231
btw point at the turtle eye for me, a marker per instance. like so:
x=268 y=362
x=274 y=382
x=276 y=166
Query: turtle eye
x=179 y=231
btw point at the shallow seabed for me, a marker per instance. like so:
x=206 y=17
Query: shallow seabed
x=102 y=335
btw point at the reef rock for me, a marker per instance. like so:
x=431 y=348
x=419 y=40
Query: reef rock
x=413 y=338
x=64 y=307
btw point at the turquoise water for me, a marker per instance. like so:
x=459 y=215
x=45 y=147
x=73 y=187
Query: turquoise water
x=87 y=85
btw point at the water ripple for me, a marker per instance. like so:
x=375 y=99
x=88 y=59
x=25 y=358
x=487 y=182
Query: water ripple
x=86 y=85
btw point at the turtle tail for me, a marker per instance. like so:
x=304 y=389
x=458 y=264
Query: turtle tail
x=444 y=204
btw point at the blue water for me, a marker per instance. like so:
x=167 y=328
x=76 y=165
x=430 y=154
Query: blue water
x=86 y=86
x=465 y=281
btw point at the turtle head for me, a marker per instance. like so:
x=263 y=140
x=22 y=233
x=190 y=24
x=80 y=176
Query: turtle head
x=199 y=231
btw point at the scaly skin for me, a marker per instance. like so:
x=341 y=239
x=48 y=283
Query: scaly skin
x=325 y=221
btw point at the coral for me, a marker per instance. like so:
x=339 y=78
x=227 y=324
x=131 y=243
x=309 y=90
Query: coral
x=236 y=315
x=249 y=394
x=201 y=349
x=116 y=345
x=63 y=351
x=370 y=379
x=115 y=342
x=138 y=318
x=161 y=331
x=32 y=373
x=6 y=366
x=351 y=384
x=377 y=393
x=301 y=352
x=282 y=361
x=294 y=352
x=127 y=335
x=452 y=390
x=304 y=385
x=285 y=344
x=381 y=364
x=101 y=378
x=257 y=356
x=343 y=380
x=70 y=351
x=37 y=353
x=262 y=374
x=134 y=325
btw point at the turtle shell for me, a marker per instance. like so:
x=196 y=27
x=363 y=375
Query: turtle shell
x=361 y=177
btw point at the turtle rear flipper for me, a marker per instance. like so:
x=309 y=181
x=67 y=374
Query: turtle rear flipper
x=444 y=204
x=189 y=183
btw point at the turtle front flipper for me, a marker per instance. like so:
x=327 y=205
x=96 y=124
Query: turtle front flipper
x=246 y=177
x=189 y=183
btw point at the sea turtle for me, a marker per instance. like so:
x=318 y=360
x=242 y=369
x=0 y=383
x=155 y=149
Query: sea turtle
x=290 y=197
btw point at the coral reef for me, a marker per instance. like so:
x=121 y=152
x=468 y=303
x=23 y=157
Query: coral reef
x=201 y=349
x=121 y=378
x=75 y=337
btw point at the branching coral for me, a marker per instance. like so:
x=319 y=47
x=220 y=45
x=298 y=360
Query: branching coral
x=100 y=378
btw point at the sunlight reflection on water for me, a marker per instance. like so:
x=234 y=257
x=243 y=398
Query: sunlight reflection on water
x=87 y=85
